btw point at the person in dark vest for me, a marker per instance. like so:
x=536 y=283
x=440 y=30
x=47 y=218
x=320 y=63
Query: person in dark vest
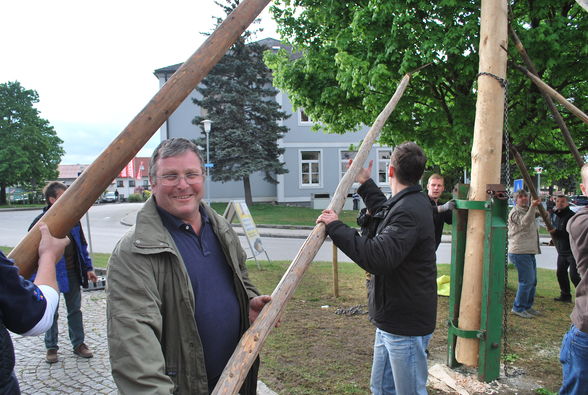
x=560 y=216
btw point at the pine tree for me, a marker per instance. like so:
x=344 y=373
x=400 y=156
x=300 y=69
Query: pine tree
x=240 y=101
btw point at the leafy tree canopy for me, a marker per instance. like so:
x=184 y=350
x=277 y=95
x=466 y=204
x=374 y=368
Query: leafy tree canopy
x=238 y=97
x=30 y=150
x=355 y=53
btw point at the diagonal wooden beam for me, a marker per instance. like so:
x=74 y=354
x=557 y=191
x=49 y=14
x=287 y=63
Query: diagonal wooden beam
x=80 y=196
x=251 y=342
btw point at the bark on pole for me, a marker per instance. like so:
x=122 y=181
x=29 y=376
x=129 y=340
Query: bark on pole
x=486 y=158
x=80 y=196
x=251 y=342
x=556 y=115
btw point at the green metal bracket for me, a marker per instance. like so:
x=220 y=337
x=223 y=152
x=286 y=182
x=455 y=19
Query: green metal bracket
x=490 y=332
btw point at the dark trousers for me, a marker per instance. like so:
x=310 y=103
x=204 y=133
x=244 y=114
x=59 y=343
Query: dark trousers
x=565 y=262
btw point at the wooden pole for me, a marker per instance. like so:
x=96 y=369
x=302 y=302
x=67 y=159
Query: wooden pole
x=251 y=342
x=80 y=196
x=486 y=157
x=335 y=272
x=556 y=115
x=553 y=93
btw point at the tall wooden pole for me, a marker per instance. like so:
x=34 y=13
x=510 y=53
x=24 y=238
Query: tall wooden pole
x=486 y=157
x=251 y=342
x=556 y=115
x=80 y=196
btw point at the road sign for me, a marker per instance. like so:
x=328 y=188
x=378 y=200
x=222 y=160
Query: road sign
x=518 y=185
x=209 y=165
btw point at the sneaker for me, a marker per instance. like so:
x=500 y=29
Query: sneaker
x=563 y=299
x=534 y=312
x=51 y=356
x=83 y=351
x=522 y=314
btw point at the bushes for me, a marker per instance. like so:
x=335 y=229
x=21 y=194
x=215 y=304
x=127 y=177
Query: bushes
x=139 y=197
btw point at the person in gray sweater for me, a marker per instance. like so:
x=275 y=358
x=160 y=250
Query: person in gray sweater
x=574 y=348
x=523 y=245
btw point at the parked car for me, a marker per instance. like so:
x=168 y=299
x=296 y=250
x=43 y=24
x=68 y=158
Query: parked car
x=579 y=200
x=108 y=197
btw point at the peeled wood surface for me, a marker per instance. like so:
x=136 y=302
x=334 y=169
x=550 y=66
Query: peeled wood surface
x=486 y=157
x=80 y=196
x=251 y=342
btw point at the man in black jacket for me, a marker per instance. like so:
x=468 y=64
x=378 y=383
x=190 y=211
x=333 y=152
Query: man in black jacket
x=565 y=260
x=399 y=252
x=441 y=212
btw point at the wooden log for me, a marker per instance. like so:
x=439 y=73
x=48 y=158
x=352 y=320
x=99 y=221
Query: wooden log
x=251 y=342
x=553 y=93
x=486 y=157
x=80 y=196
x=556 y=115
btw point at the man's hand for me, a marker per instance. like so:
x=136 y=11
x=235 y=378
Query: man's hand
x=364 y=174
x=327 y=217
x=256 y=305
x=450 y=205
x=51 y=246
x=92 y=276
x=535 y=202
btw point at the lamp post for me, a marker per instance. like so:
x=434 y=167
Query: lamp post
x=207 y=123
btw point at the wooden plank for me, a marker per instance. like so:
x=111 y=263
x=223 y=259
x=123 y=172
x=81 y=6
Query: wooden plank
x=80 y=196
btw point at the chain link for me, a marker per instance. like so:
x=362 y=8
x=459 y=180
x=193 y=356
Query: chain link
x=506 y=173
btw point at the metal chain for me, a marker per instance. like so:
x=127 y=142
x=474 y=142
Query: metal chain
x=505 y=309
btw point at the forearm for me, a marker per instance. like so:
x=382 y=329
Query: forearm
x=46 y=272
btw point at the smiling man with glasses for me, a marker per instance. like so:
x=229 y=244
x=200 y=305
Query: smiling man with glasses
x=179 y=296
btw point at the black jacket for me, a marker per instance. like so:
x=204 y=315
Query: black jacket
x=560 y=219
x=439 y=219
x=400 y=255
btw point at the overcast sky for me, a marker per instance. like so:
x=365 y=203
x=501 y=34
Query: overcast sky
x=92 y=63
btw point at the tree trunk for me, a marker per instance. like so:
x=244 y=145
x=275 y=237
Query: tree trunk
x=247 y=191
x=3 y=194
x=486 y=157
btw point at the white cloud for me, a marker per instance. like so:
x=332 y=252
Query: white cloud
x=92 y=63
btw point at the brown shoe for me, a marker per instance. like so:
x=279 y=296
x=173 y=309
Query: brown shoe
x=83 y=351
x=51 y=356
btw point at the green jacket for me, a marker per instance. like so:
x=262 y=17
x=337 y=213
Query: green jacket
x=152 y=335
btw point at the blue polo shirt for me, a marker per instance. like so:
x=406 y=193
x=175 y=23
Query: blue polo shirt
x=217 y=310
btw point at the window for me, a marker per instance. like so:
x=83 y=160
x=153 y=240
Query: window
x=145 y=183
x=131 y=183
x=303 y=118
x=120 y=184
x=310 y=168
x=383 y=162
x=344 y=161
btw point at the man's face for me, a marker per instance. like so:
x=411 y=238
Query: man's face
x=58 y=194
x=435 y=188
x=523 y=200
x=561 y=202
x=181 y=200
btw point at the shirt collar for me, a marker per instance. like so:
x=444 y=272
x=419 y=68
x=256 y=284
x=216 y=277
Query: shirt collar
x=171 y=221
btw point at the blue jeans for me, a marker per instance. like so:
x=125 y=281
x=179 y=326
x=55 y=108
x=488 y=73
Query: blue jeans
x=574 y=361
x=527 y=270
x=400 y=364
x=73 y=302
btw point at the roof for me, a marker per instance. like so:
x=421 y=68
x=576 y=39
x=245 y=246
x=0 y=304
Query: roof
x=70 y=171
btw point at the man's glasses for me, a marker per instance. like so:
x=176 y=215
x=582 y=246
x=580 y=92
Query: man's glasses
x=174 y=179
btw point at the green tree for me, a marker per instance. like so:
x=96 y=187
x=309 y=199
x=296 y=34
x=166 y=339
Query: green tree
x=29 y=147
x=355 y=52
x=240 y=100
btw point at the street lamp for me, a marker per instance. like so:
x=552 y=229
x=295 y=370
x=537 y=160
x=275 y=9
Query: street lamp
x=207 y=123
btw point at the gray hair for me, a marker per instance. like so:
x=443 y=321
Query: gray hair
x=170 y=148
x=520 y=192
